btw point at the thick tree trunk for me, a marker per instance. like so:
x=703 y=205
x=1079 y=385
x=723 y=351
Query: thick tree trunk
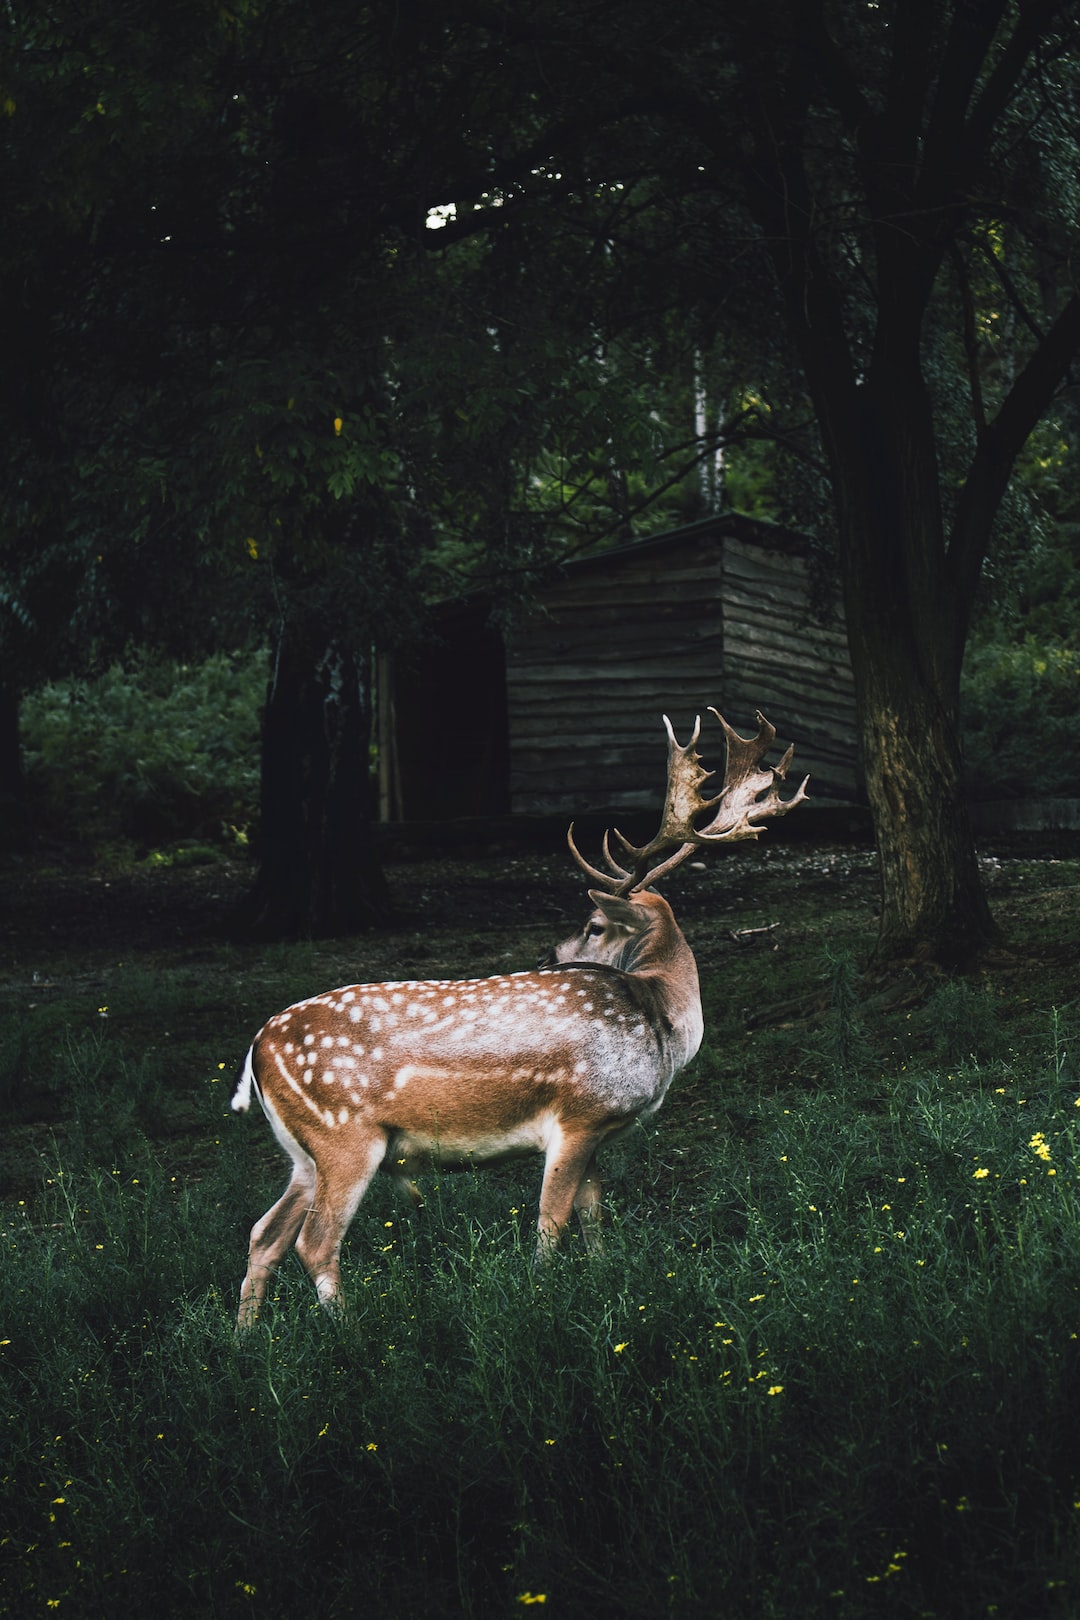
x=319 y=872
x=918 y=142
x=13 y=825
x=907 y=623
x=907 y=607
x=933 y=906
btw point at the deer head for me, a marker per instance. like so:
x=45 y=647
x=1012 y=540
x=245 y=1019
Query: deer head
x=556 y=1061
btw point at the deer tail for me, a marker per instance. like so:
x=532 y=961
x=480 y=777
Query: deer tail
x=245 y=1079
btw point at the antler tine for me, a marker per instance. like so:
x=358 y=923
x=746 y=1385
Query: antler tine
x=750 y=795
x=661 y=871
x=605 y=880
x=617 y=870
x=682 y=801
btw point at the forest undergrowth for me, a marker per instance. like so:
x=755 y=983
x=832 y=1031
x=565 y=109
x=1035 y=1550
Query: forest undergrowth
x=828 y=1364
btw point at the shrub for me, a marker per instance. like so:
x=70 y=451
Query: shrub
x=157 y=752
x=1018 y=719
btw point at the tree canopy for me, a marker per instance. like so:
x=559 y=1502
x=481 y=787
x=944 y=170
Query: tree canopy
x=321 y=311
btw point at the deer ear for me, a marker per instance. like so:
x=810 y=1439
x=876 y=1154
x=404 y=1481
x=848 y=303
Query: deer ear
x=623 y=913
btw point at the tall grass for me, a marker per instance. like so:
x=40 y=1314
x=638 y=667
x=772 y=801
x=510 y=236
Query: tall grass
x=838 y=1378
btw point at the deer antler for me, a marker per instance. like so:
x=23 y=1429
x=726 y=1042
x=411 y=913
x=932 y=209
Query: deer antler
x=748 y=797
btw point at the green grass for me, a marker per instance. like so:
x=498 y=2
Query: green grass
x=844 y=1371
x=829 y=1365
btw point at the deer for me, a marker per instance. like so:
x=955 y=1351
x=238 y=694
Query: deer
x=558 y=1061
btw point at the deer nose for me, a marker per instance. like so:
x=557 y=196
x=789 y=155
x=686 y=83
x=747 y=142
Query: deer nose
x=549 y=959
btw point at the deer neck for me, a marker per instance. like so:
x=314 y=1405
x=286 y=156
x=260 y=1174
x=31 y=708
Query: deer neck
x=664 y=961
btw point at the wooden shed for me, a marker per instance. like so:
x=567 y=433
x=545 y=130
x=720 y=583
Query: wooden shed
x=564 y=717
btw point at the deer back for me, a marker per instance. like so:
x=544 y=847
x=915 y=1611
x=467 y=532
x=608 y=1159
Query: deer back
x=481 y=1067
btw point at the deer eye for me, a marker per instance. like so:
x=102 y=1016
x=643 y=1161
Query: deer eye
x=593 y=929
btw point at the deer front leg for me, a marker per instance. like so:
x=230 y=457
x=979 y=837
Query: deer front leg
x=569 y=1163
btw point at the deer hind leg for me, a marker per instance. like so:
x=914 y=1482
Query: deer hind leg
x=567 y=1186
x=339 y=1187
x=271 y=1237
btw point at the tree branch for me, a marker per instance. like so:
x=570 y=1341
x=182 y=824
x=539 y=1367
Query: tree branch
x=839 y=82
x=999 y=445
x=1010 y=289
x=971 y=346
x=995 y=95
x=970 y=36
x=959 y=132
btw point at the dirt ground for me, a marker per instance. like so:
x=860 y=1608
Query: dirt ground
x=144 y=958
x=51 y=909
x=466 y=914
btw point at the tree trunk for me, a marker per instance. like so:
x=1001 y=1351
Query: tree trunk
x=907 y=620
x=858 y=224
x=319 y=872
x=932 y=902
x=13 y=825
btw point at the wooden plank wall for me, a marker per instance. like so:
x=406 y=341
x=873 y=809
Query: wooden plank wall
x=616 y=645
x=779 y=658
x=672 y=627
